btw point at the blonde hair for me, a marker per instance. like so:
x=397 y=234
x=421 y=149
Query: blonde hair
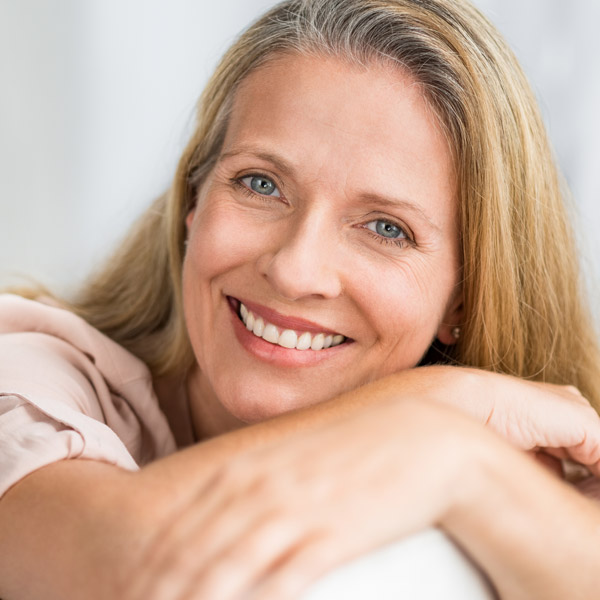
x=523 y=297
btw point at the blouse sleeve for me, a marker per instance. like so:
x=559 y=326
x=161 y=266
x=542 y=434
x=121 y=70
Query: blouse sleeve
x=55 y=404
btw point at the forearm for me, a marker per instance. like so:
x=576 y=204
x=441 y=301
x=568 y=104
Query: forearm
x=68 y=531
x=75 y=529
x=534 y=535
x=186 y=472
x=508 y=522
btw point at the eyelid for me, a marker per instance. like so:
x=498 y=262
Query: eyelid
x=393 y=221
x=278 y=191
x=400 y=243
x=374 y=230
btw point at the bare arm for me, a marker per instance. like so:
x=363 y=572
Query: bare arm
x=535 y=536
x=81 y=528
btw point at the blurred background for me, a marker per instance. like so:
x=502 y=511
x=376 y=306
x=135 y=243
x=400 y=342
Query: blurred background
x=98 y=98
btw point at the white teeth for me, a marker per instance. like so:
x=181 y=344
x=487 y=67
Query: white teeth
x=337 y=340
x=317 y=342
x=303 y=341
x=288 y=338
x=259 y=327
x=270 y=334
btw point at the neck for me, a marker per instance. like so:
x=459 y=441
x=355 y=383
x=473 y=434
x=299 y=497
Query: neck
x=209 y=417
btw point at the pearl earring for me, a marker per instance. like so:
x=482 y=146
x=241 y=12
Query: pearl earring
x=456 y=333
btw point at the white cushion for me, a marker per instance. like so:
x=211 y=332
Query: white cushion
x=425 y=566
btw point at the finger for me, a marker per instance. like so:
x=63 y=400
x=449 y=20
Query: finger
x=301 y=569
x=584 y=455
x=170 y=559
x=587 y=452
x=236 y=571
x=208 y=529
x=564 y=424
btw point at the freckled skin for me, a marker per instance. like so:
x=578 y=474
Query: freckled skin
x=341 y=137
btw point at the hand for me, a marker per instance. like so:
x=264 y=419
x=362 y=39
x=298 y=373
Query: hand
x=273 y=520
x=533 y=416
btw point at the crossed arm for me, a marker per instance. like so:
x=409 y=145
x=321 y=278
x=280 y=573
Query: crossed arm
x=263 y=511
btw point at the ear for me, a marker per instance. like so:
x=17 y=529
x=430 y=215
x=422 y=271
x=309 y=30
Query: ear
x=190 y=218
x=453 y=317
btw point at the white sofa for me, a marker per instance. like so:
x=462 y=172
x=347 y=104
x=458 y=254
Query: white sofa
x=425 y=566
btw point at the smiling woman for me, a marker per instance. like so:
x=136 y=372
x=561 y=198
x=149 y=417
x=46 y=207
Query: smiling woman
x=290 y=223
x=369 y=186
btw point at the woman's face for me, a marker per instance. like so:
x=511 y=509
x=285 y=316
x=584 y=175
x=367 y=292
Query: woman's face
x=331 y=215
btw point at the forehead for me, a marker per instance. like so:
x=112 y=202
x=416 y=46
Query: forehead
x=344 y=122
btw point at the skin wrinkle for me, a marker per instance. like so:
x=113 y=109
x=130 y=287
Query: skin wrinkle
x=395 y=299
x=310 y=254
x=287 y=168
x=393 y=351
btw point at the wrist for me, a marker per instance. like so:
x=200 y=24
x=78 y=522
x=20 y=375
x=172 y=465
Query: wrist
x=523 y=526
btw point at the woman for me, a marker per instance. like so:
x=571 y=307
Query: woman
x=369 y=188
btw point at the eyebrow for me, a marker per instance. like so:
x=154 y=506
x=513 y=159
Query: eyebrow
x=386 y=203
x=285 y=167
x=282 y=165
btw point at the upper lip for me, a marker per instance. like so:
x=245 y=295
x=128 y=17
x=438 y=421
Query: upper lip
x=285 y=322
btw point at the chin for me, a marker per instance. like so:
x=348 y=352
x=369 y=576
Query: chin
x=255 y=411
x=254 y=406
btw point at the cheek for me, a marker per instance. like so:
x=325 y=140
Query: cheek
x=404 y=304
x=409 y=292
x=221 y=245
x=220 y=239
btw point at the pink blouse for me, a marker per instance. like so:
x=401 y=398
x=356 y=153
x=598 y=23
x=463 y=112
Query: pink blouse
x=68 y=391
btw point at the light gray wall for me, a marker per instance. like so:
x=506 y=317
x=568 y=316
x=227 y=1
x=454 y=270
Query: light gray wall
x=558 y=45
x=97 y=99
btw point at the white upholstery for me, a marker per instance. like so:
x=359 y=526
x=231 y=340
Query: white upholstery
x=425 y=566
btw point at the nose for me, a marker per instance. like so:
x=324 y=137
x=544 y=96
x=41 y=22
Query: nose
x=302 y=262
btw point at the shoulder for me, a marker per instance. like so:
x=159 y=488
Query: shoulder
x=67 y=391
x=19 y=315
x=44 y=346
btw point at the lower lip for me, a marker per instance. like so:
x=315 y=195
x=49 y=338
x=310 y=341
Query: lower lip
x=277 y=355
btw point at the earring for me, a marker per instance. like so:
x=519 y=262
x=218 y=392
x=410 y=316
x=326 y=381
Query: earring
x=456 y=333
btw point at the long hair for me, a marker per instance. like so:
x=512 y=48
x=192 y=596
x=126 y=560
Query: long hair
x=524 y=302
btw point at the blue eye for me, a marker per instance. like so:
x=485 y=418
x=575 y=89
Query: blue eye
x=261 y=185
x=386 y=229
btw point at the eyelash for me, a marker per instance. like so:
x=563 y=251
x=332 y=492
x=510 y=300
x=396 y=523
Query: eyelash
x=237 y=182
x=398 y=243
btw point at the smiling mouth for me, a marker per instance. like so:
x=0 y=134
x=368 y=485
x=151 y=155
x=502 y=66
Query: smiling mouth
x=287 y=338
